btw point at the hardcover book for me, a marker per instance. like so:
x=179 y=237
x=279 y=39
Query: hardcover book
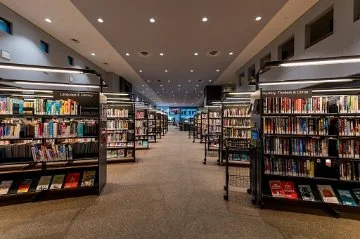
x=88 y=179
x=306 y=193
x=346 y=197
x=356 y=192
x=327 y=194
x=44 y=183
x=24 y=186
x=289 y=189
x=72 y=180
x=276 y=188
x=5 y=186
x=57 y=181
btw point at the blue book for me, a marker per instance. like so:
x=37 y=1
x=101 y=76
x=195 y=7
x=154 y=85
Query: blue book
x=80 y=129
x=346 y=198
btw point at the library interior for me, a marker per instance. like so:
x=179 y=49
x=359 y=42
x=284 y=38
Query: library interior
x=179 y=119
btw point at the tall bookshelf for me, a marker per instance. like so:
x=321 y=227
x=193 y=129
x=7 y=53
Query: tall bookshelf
x=236 y=133
x=158 y=127
x=204 y=126
x=214 y=128
x=197 y=126
x=311 y=148
x=152 y=126
x=141 y=129
x=51 y=144
x=121 y=132
x=163 y=123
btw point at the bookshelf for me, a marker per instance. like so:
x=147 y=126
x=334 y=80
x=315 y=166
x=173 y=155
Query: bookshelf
x=163 y=123
x=50 y=144
x=214 y=128
x=204 y=126
x=158 y=124
x=311 y=146
x=121 y=132
x=141 y=129
x=152 y=126
x=236 y=134
x=197 y=126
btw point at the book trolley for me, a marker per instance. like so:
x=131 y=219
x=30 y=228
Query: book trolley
x=141 y=128
x=120 y=131
x=310 y=147
x=53 y=142
x=152 y=126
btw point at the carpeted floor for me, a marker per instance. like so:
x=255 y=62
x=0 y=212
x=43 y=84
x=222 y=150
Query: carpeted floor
x=168 y=193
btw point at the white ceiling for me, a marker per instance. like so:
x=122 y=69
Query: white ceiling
x=178 y=32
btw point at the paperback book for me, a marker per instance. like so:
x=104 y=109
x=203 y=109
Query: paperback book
x=72 y=180
x=24 y=186
x=276 y=189
x=57 y=181
x=306 y=193
x=289 y=190
x=327 y=194
x=346 y=198
x=5 y=186
x=44 y=183
x=88 y=179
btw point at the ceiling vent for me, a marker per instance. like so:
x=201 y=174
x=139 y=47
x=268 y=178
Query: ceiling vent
x=213 y=53
x=75 y=40
x=144 y=54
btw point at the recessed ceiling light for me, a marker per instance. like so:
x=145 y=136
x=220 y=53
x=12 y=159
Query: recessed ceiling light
x=196 y=54
x=204 y=19
x=160 y=85
x=179 y=85
x=93 y=54
x=100 y=20
x=209 y=80
x=169 y=81
x=148 y=80
x=191 y=70
x=140 y=70
x=161 y=54
x=217 y=70
x=231 y=53
x=48 y=20
x=143 y=85
x=166 y=70
x=197 y=85
x=257 y=18
x=128 y=54
x=189 y=80
x=152 y=20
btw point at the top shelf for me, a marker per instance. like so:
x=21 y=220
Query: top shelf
x=48 y=116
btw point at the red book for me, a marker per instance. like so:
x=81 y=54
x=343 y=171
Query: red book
x=289 y=189
x=72 y=180
x=276 y=189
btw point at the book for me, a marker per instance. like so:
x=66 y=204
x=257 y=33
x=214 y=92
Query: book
x=88 y=179
x=5 y=186
x=276 y=188
x=327 y=194
x=306 y=193
x=346 y=198
x=24 y=186
x=57 y=181
x=44 y=183
x=72 y=180
x=356 y=192
x=289 y=189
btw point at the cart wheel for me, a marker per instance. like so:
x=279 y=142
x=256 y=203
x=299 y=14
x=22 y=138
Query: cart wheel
x=225 y=188
x=226 y=197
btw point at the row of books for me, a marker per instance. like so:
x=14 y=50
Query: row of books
x=120 y=144
x=120 y=153
x=287 y=189
x=118 y=136
x=203 y=116
x=112 y=112
x=140 y=123
x=349 y=171
x=49 y=182
x=236 y=112
x=288 y=105
x=117 y=124
x=240 y=157
x=296 y=146
x=10 y=105
x=289 y=167
x=236 y=122
x=349 y=104
x=237 y=133
x=140 y=115
x=349 y=127
x=16 y=152
x=349 y=148
x=214 y=129
x=213 y=114
x=140 y=131
x=215 y=121
x=292 y=125
x=141 y=143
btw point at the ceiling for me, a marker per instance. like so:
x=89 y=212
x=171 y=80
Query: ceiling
x=178 y=32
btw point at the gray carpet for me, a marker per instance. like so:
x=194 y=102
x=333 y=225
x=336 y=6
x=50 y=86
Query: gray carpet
x=168 y=193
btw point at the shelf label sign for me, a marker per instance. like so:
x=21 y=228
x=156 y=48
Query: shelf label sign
x=287 y=93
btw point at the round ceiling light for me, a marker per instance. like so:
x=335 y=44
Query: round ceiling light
x=204 y=19
x=48 y=20
x=231 y=53
x=196 y=54
x=100 y=20
x=161 y=54
x=258 y=18
x=128 y=54
x=152 y=20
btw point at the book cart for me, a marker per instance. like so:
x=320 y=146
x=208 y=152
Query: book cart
x=120 y=131
x=310 y=147
x=53 y=142
x=158 y=124
x=152 y=126
x=141 y=127
x=235 y=144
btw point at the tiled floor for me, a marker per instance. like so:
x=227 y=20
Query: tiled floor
x=168 y=193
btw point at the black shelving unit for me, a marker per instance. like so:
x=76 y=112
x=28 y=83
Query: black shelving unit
x=121 y=132
x=141 y=129
x=158 y=123
x=152 y=126
x=54 y=149
x=204 y=125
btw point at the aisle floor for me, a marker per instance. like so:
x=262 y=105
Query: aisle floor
x=168 y=193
